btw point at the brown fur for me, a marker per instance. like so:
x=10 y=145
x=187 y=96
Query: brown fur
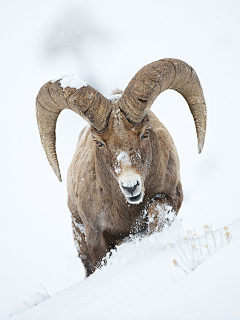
x=95 y=198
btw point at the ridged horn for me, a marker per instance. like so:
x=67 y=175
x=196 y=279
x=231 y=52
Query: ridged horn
x=161 y=75
x=53 y=97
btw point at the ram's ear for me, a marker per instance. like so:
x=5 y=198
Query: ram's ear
x=68 y=93
x=97 y=138
x=94 y=133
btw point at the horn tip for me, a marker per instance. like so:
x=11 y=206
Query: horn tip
x=57 y=173
x=200 y=148
x=59 y=177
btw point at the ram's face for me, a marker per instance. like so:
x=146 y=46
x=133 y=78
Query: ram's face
x=127 y=153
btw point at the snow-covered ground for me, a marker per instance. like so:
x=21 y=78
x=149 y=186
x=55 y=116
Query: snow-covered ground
x=164 y=276
x=106 y=43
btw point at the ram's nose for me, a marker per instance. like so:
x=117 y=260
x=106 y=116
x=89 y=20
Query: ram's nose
x=130 y=186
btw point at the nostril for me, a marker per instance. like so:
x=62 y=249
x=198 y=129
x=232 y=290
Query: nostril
x=131 y=186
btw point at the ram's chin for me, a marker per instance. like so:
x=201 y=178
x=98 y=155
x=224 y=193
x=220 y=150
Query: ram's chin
x=136 y=199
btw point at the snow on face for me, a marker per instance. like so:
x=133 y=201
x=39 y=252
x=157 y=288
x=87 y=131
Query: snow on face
x=136 y=155
x=72 y=81
x=117 y=170
x=123 y=157
x=130 y=183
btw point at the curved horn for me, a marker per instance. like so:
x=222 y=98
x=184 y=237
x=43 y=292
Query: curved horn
x=161 y=75
x=55 y=96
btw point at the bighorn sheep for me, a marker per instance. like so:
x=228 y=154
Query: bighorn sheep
x=125 y=173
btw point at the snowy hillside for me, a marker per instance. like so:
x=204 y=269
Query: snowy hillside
x=159 y=277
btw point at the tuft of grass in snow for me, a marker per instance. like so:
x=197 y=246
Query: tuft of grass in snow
x=28 y=303
x=192 y=250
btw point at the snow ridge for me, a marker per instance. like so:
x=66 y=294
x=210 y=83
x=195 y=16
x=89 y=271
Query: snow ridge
x=144 y=271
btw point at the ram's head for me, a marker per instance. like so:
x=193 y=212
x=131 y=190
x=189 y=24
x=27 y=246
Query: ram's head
x=120 y=127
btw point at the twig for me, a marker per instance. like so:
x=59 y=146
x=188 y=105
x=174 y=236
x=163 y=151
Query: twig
x=182 y=259
x=27 y=304
x=45 y=290
x=185 y=256
x=200 y=246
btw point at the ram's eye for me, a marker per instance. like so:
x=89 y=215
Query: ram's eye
x=99 y=144
x=146 y=134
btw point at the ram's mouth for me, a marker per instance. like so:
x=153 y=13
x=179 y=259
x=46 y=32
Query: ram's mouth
x=136 y=199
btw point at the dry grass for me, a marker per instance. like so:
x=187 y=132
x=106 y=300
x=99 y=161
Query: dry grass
x=192 y=250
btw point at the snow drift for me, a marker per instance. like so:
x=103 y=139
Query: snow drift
x=160 y=276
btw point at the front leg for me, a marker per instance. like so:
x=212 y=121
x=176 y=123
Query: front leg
x=79 y=234
x=161 y=212
x=98 y=245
